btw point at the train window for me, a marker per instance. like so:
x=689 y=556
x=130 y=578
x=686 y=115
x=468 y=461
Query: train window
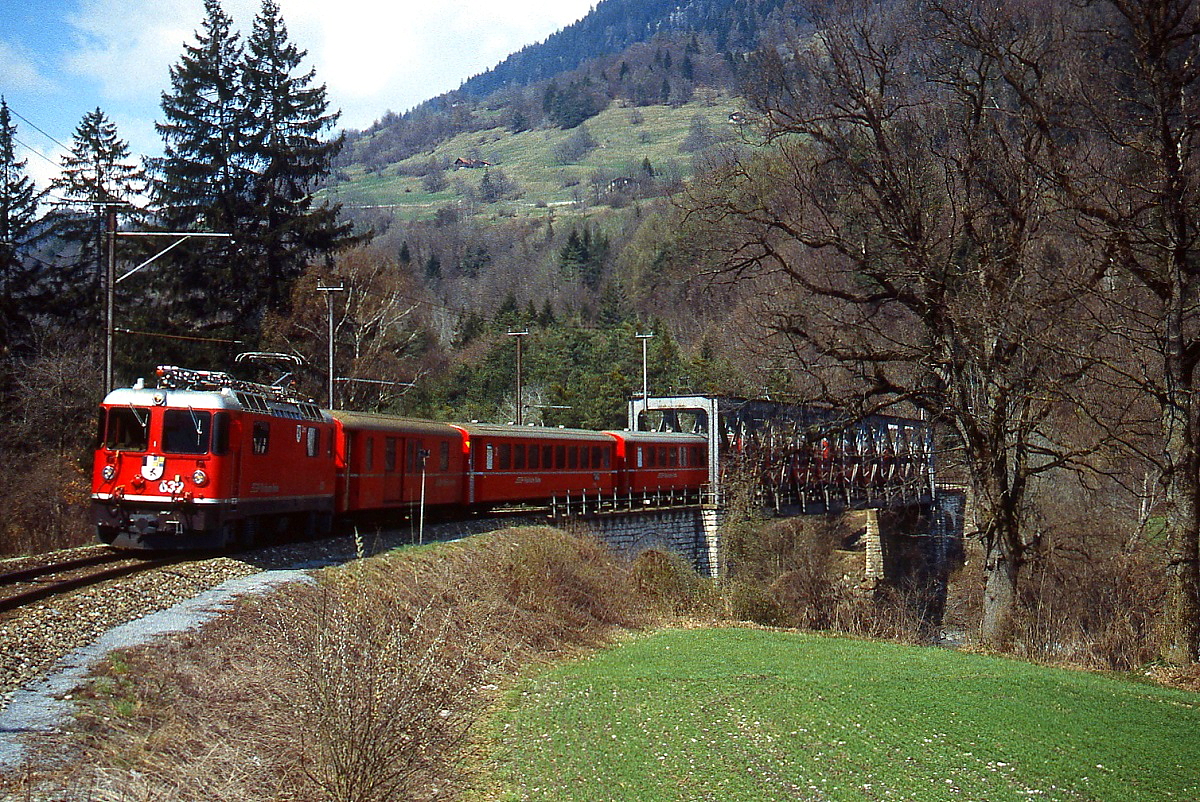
x=186 y=431
x=261 y=437
x=673 y=456
x=585 y=460
x=535 y=462
x=596 y=452
x=519 y=457
x=652 y=456
x=572 y=458
x=312 y=441
x=560 y=457
x=370 y=455
x=547 y=457
x=444 y=456
x=410 y=456
x=504 y=457
x=128 y=429
x=491 y=456
x=389 y=454
x=640 y=456
x=608 y=452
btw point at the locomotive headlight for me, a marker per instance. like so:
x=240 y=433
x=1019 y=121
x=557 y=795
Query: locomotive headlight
x=109 y=473
x=199 y=478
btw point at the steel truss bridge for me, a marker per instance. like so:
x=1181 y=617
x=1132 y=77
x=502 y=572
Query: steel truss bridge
x=804 y=459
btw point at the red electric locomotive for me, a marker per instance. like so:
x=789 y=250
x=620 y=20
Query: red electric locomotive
x=204 y=461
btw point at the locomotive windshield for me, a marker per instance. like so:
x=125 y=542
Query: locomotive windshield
x=186 y=431
x=128 y=429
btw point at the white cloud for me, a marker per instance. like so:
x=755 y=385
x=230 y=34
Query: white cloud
x=20 y=71
x=41 y=165
x=127 y=46
x=373 y=55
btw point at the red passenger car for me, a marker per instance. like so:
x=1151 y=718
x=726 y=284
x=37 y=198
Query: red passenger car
x=535 y=464
x=380 y=461
x=202 y=461
x=661 y=463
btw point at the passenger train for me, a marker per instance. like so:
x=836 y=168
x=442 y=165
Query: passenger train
x=205 y=461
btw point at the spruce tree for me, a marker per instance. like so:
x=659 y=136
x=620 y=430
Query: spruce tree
x=202 y=180
x=201 y=183
x=288 y=117
x=96 y=172
x=18 y=222
x=243 y=153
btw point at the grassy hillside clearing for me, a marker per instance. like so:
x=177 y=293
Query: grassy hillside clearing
x=743 y=714
x=625 y=137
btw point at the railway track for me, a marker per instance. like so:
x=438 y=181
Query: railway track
x=28 y=585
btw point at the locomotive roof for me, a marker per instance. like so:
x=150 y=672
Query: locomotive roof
x=222 y=399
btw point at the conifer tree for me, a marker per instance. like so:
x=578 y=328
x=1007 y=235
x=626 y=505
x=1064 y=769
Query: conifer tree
x=201 y=183
x=201 y=180
x=18 y=220
x=97 y=171
x=287 y=154
x=243 y=153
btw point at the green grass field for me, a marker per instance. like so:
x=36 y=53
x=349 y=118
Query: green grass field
x=740 y=714
x=625 y=137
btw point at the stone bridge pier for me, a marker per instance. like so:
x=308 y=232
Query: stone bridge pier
x=689 y=532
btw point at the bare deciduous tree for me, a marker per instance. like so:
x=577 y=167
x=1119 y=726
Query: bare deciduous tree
x=907 y=239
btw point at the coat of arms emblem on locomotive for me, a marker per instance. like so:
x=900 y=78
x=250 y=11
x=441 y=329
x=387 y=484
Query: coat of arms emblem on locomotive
x=152 y=467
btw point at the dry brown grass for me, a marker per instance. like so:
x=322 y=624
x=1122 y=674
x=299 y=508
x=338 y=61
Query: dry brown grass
x=362 y=686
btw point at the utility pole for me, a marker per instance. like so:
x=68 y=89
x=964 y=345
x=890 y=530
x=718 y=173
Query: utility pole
x=329 y=308
x=113 y=279
x=645 y=338
x=519 y=335
x=423 y=454
x=110 y=282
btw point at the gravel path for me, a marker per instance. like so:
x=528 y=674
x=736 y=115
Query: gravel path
x=49 y=647
x=39 y=707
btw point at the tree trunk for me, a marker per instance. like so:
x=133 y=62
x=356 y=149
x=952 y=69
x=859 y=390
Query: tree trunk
x=1004 y=556
x=1182 y=530
x=1002 y=573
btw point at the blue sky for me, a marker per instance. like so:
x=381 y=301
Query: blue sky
x=60 y=59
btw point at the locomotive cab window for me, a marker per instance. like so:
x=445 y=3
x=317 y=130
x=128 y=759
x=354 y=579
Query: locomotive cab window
x=444 y=456
x=128 y=429
x=186 y=431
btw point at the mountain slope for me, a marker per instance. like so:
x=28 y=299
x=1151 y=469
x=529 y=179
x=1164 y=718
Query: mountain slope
x=615 y=25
